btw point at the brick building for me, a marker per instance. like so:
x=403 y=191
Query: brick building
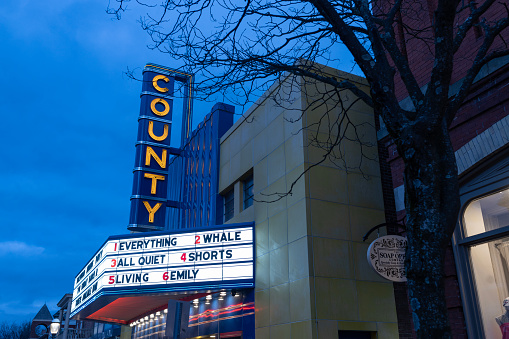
x=40 y=323
x=477 y=273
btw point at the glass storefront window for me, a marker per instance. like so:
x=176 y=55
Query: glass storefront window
x=487 y=213
x=151 y=329
x=489 y=258
x=491 y=276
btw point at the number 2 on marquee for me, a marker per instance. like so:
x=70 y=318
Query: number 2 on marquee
x=196 y=239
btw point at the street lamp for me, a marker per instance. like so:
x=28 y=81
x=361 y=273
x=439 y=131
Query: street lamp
x=54 y=328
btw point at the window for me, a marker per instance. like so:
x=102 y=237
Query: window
x=489 y=257
x=487 y=213
x=228 y=205
x=247 y=185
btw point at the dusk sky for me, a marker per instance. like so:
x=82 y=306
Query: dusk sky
x=69 y=124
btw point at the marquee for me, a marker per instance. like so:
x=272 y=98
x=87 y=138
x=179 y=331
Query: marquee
x=204 y=259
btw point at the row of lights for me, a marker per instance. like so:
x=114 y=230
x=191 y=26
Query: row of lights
x=208 y=298
x=196 y=303
x=149 y=317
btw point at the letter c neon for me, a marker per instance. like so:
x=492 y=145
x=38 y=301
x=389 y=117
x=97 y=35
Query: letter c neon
x=156 y=86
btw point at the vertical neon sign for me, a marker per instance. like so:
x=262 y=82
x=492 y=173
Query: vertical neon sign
x=149 y=199
x=150 y=186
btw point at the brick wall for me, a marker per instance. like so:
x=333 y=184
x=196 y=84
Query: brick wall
x=418 y=15
x=486 y=105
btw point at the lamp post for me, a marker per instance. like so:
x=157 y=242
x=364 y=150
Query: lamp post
x=54 y=328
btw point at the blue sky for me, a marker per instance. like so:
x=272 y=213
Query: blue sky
x=68 y=124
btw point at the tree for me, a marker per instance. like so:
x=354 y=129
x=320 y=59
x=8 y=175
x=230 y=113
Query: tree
x=15 y=330
x=237 y=46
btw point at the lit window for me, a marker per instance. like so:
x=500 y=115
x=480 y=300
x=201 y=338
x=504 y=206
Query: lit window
x=248 y=192
x=489 y=255
x=228 y=205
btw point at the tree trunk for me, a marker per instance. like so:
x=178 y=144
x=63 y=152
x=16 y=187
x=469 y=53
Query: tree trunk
x=432 y=205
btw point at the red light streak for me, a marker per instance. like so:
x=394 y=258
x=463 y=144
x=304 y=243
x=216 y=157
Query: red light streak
x=222 y=311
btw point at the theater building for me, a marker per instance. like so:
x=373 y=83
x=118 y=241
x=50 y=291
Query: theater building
x=261 y=232
x=312 y=277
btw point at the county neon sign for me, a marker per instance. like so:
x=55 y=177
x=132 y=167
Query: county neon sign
x=192 y=260
x=149 y=199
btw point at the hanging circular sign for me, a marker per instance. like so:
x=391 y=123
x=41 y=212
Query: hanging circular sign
x=387 y=257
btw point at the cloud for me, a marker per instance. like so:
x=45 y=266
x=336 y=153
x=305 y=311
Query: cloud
x=19 y=248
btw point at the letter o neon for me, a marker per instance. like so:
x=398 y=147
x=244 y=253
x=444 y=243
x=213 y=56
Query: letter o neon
x=160 y=101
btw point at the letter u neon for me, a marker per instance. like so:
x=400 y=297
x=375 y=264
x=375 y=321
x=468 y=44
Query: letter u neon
x=155 y=137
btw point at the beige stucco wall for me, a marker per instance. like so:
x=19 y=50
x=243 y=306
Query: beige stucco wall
x=312 y=276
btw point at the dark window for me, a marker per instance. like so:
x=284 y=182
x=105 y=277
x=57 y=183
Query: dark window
x=248 y=192
x=228 y=205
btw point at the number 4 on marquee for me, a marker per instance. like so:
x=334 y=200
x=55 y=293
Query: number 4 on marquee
x=183 y=257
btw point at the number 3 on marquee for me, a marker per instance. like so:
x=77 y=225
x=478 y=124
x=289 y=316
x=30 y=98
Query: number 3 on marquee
x=113 y=262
